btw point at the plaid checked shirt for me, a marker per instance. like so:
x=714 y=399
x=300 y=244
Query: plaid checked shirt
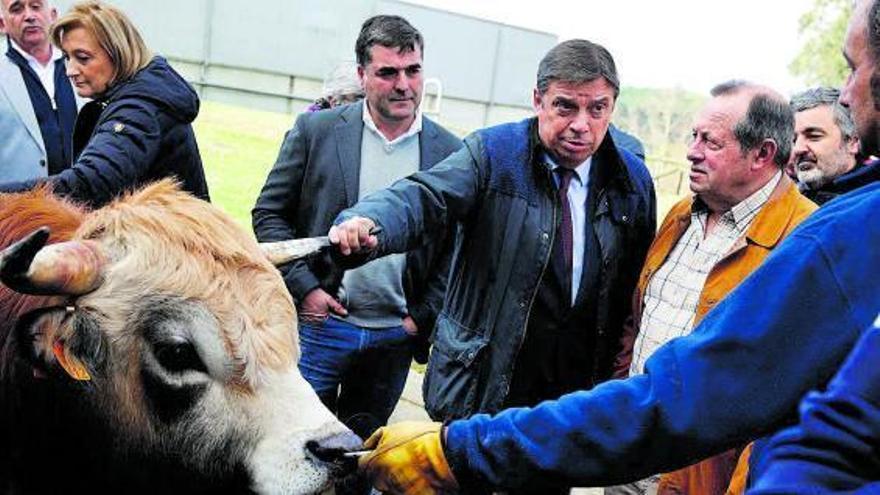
x=672 y=295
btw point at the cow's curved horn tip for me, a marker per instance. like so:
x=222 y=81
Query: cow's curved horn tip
x=18 y=256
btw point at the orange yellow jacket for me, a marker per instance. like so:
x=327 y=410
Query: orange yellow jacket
x=784 y=210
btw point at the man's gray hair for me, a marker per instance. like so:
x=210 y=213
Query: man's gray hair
x=342 y=81
x=577 y=61
x=769 y=116
x=816 y=97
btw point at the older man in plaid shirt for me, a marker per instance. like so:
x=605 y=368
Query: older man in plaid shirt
x=742 y=208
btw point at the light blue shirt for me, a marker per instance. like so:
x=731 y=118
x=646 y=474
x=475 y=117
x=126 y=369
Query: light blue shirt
x=577 y=201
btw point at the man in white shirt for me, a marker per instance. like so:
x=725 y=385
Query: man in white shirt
x=358 y=328
x=37 y=104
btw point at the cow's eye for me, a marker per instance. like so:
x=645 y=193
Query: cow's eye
x=179 y=357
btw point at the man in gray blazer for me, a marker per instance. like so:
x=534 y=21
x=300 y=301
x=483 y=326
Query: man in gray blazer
x=37 y=104
x=357 y=328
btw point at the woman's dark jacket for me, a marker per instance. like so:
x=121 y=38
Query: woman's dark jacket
x=137 y=132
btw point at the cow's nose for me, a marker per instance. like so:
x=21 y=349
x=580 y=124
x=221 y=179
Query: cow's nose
x=345 y=441
x=331 y=451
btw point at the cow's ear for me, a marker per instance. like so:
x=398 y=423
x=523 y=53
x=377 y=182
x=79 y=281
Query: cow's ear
x=61 y=339
x=69 y=362
x=79 y=347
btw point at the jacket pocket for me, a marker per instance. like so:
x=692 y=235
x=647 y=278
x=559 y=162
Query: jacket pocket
x=450 y=385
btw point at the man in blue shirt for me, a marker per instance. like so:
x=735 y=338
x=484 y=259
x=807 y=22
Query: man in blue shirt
x=835 y=445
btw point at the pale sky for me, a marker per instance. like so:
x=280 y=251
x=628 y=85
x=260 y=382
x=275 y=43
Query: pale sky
x=692 y=44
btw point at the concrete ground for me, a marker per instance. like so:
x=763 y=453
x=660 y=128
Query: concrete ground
x=412 y=408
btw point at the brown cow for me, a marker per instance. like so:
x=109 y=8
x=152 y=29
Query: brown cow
x=160 y=356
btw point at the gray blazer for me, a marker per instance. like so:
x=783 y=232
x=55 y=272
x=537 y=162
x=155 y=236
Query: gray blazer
x=317 y=176
x=22 y=153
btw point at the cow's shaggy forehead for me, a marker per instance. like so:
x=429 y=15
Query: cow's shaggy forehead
x=163 y=241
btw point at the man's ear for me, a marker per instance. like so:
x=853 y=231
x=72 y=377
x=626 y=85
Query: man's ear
x=537 y=100
x=765 y=154
x=853 y=145
x=360 y=71
x=53 y=14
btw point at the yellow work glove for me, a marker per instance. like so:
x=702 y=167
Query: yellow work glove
x=408 y=459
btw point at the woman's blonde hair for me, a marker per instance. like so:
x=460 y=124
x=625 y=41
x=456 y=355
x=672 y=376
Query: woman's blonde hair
x=114 y=32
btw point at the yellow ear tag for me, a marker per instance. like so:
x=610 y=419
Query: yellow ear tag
x=71 y=365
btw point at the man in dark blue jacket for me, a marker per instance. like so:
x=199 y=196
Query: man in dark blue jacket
x=554 y=221
x=738 y=376
x=826 y=146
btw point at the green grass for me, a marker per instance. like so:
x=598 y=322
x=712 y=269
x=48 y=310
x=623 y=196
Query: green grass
x=238 y=147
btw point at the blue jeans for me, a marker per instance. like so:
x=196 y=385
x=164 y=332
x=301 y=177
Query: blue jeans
x=358 y=373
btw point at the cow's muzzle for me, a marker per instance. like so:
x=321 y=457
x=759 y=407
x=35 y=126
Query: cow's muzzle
x=331 y=452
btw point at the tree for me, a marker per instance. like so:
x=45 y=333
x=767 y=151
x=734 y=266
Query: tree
x=824 y=26
x=661 y=118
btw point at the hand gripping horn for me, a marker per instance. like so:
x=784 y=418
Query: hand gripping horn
x=282 y=252
x=67 y=268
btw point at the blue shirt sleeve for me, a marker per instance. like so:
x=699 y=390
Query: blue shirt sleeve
x=836 y=445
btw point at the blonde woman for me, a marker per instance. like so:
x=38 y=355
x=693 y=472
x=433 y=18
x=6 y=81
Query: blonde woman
x=137 y=128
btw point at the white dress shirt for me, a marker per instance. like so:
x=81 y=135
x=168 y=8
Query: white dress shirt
x=577 y=201
x=45 y=73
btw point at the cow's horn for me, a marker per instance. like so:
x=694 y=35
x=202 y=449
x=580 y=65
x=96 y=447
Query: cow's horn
x=72 y=268
x=282 y=252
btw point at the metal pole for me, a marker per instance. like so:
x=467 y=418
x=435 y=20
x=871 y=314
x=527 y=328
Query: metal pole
x=206 y=48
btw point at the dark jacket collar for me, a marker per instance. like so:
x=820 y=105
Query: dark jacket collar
x=348 y=131
x=10 y=52
x=608 y=170
x=857 y=177
x=352 y=112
